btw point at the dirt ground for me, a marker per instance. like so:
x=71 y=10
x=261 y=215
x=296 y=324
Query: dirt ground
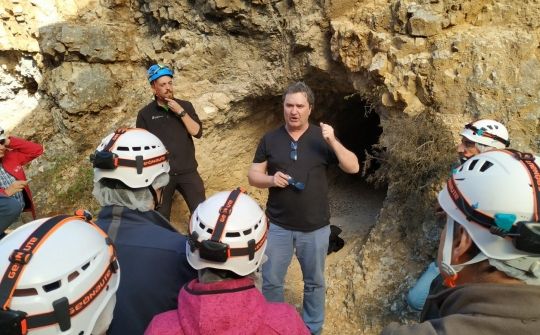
x=354 y=207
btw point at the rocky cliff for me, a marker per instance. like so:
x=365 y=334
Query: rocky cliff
x=73 y=71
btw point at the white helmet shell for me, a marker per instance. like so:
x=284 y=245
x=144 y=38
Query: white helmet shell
x=487 y=126
x=134 y=142
x=68 y=263
x=492 y=182
x=246 y=222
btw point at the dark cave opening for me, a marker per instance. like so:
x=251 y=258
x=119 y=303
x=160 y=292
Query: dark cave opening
x=354 y=202
x=355 y=121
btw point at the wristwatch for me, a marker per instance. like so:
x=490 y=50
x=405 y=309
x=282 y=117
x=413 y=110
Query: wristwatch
x=182 y=113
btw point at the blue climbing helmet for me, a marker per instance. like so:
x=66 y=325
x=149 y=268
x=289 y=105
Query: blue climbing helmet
x=157 y=70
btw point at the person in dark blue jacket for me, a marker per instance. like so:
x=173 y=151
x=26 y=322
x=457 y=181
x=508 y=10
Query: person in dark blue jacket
x=130 y=169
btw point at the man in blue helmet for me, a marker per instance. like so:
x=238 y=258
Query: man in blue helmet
x=175 y=123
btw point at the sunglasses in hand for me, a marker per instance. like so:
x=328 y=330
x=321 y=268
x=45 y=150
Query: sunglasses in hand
x=296 y=184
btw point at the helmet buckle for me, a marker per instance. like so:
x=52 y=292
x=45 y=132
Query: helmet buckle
x=20 y=256
x=225 y=210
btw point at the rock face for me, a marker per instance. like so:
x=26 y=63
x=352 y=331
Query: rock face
x=73 y=71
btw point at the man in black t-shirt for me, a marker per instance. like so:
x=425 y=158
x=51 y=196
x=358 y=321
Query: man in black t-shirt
x=175 y=123
x=292 y=161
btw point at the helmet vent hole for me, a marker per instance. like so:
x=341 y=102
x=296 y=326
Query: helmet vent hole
x=85 y=266
x=52 y=286
x=136 y=148
x=209 y=230
x=247 y=232
x=25 y=292
x=233 y=234
x=146 y=148
x=473 y=164
x=153 y=147
x=202 y=226
x=73 y=275
x=122 y=149
x=485 y=166
x=461 y=168
x=256 y=226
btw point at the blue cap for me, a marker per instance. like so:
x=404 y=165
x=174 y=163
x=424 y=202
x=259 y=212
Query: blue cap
x=155 y=71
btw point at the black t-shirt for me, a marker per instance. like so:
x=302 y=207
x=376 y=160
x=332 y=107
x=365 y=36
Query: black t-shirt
x=170 y=129
x=290 y=208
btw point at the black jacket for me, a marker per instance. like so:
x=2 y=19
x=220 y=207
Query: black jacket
x=153 y=267
x=170 y=129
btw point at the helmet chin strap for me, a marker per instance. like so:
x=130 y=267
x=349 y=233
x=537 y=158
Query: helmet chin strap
x=449 y=271
x=157 y=201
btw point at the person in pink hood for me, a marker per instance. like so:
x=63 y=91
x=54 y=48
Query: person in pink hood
x=226 y=245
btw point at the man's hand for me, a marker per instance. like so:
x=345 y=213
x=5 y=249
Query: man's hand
x=280 y=179
x=327 y=132
x=174 y=106
x=17 y=186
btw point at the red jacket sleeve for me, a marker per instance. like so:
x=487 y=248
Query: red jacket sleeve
x=19 y=153
x=26 y=150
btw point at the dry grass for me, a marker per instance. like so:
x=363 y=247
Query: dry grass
x=64 y=187
x=418 y=155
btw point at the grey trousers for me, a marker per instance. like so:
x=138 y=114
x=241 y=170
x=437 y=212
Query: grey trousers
x=10 y=210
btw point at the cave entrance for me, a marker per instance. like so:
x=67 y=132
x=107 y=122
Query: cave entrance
x=354 y=203
x=355 y=123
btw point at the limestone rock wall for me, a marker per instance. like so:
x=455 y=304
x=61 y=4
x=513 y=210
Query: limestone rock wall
x=73 y=71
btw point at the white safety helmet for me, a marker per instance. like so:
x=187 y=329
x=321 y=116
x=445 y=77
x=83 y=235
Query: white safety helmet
x=491 y=195
x=133 y=156
x=68 y=279
x=227 y=231
x=487 y=132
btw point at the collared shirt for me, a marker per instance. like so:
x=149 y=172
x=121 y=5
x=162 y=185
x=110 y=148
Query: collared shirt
x=6 y=180
x=170 y=129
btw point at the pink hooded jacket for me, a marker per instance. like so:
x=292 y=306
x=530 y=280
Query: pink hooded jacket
x=231 y=307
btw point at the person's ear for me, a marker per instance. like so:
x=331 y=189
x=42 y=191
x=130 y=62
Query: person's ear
x=462 y=243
